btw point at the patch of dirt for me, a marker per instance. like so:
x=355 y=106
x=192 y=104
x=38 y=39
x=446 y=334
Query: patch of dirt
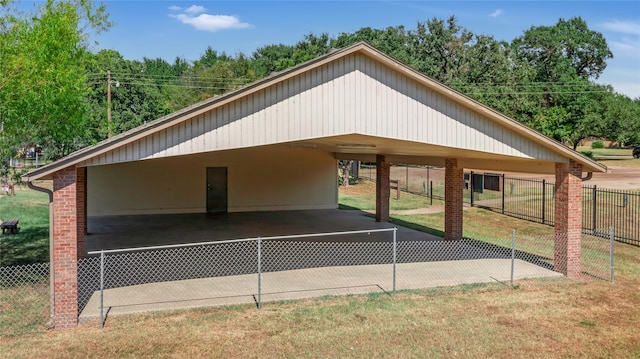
x=619 y=177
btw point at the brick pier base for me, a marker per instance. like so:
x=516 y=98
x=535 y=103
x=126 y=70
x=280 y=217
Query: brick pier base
x=383 y=171
x=453 y=192
x=69 y=224
x=568 y=219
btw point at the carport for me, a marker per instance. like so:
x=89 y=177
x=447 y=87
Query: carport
x=272 y=146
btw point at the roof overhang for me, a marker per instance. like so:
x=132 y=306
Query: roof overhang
x=160 y=124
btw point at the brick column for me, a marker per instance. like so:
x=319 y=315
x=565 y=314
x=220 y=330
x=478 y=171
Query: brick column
x=383 y=170
x=453 y=192
x=65 y=248
x=81 y=207
x=568 y=219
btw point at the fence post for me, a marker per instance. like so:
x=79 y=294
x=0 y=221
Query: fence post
x=594 y=208
x=612 y=237
x=471 y=188
x=101 y=290
x=513 y=254
x=395 y=230
x=259 y=273
x=503 y=193
x=407 y=178
x=544 y=199
x=431 y=192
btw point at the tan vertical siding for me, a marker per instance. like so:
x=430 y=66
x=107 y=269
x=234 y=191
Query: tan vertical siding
x=352 y=95
x=258 y=180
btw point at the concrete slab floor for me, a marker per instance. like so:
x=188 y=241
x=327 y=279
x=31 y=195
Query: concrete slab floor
x=306 y=283
x=115 y=232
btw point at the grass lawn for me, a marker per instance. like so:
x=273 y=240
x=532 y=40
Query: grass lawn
x=31 y=243
x=363 y=196
x=538 y=319
x=604 y=152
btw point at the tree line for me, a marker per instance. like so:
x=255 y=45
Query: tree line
x=53 y=89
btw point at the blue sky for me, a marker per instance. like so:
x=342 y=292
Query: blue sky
x=168 y=29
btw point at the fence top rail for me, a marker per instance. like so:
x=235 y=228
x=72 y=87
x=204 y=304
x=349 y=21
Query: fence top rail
x=195 y=244
x=614 y=191
x=527 y=179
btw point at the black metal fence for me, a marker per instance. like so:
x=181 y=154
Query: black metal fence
x=525 y=198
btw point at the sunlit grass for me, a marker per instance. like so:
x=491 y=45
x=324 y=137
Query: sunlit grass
x=614 y=151
x=363 y=196
x=31 y=243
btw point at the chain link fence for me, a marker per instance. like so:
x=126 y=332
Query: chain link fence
x=258 y=270
x=24 y=298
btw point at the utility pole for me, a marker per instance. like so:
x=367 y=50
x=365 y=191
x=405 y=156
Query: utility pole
x=108 y=104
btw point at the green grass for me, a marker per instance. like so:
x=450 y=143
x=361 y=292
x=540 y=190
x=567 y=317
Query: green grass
x=362 y=196
x=478 y=223
x=31 y=243
x=604 y=152
x=24 y=308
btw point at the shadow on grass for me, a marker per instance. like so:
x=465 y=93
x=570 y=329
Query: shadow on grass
x=29 y=245
x=348 y=208
x=418 y=227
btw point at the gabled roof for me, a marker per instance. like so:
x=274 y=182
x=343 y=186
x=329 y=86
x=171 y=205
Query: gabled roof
x=361 y=48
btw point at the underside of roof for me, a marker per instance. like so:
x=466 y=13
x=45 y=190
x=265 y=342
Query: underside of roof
x=356 y=103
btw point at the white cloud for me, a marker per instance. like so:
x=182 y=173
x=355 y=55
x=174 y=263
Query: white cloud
x=175 y=8
x=496 y=13
x=625 y=27
x=194 y=9
x=628 y=45
x=212 y=23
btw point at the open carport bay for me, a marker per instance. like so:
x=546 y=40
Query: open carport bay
x=227 y=272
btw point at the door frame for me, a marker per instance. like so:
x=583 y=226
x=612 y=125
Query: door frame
x=210 y=207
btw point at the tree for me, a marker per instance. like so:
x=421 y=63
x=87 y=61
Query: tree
x=564 y=57
x=393 y=41
x=43 y=87
x=618 y=118
x=563 y=53
x=135 y=95
x=271 y=58
x=345 y=171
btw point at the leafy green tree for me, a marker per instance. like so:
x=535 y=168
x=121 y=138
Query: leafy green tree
x=439 y=49
x=43 y=89
x=271 y=58
x=567 y=47
x=564 y=58
x=135 y=95
x=393 y=41
x=618 y=118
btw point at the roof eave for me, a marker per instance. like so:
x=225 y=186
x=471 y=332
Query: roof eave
x=364 y=48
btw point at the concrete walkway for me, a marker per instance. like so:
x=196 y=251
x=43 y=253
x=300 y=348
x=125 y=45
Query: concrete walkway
x=306 y=283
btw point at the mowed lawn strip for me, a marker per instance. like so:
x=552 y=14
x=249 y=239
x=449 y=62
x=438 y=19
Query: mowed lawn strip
x=31 y=243
x=551 y=319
